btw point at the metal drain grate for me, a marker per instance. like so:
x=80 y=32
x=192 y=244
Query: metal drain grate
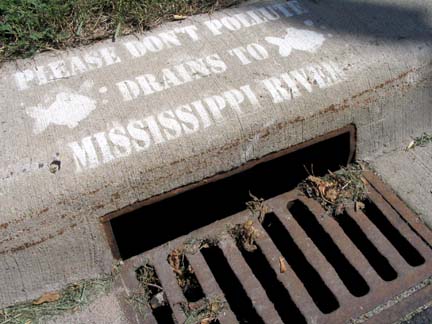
x=330 y=271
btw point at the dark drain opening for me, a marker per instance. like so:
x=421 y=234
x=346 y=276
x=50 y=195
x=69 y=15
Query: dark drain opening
x=234 y=292
x=371 y=253
x=317 y=289
x=348 y=274
x=405 y=249
x=154 y=294
x=162 y=221
x=274 y=289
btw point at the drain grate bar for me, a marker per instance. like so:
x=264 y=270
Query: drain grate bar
x=129 y=280
x=310 y=251
x=399 y=223
x=169 y=282
x=210 y=286
x=379 y=241
x=347 y=247
x=288 y=278
x=413 y=220
x=320 y=244
x=253 y=288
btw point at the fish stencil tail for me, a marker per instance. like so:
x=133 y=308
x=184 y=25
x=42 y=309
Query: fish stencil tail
x=41 y=117
x=284 y=48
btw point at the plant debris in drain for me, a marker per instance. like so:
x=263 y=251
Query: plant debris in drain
x=185 y=275
x=204 y=311
x=153 y=291
x=245 y=235
x=257 y=207
x=337 y=190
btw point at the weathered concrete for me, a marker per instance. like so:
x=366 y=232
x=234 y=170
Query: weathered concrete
x=120 y=136
x=106 y=309
x=409 y=172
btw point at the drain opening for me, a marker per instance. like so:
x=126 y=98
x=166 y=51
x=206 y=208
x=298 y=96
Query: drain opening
x=355 y=283
x=234 y=292
x=276 y=292
x=178 y=214
x=401 y=244
x=154 y=294
x=371 y=253
x=324 y=299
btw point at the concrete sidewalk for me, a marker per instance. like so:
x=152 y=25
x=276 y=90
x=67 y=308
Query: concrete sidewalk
x=409 y=173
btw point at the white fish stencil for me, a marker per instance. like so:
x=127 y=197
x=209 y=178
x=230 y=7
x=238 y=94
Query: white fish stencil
x=68 y=109
x=299 y=39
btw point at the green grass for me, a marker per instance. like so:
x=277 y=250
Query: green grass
x=72 y=298
x=423 y=140
x=31 y=26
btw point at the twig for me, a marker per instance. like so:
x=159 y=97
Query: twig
x=153 y=285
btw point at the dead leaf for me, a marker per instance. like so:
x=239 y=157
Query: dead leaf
x=28 y=322
x=331 y=195
x=158 y=300
x=410 y=145
x=339 y=209
x=175 y=260
x=205 y=321
x=248 y=236
x=315 y=180
x=359 y=205
x=282 y=264
x=47 y=298
x=179 y=17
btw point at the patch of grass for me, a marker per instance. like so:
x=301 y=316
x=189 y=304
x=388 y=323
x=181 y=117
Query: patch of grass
x=146 y=275
x=338 y=190
x=30 y=26
x=422 y=140
x=72 y=298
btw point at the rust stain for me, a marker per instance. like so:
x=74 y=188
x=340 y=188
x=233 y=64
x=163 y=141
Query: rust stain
x=43 y=211
x=39 y=241
x=92 y=192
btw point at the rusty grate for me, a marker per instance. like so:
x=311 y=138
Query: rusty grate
x=305 y=268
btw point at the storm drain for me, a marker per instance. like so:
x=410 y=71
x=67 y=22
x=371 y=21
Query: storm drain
x=294 y=265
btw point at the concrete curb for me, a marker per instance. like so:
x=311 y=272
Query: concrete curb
x=89 y=131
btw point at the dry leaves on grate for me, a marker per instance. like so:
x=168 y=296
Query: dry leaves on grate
x=282 y=264
x=47 y=298
x=183 y=270
x=177 y=262
x=257 y=207
x=245 y=235
x=337 y=190
x=146 y=275
x=203 y=311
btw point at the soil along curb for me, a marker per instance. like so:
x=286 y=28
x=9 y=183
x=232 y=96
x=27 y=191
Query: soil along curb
x=88 y=131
